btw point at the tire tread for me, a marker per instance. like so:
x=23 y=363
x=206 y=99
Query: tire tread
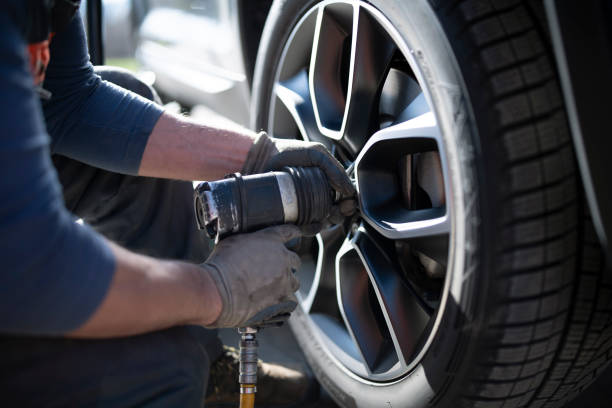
x=548 y=331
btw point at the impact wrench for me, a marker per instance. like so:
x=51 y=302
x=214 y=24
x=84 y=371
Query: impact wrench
x=238 y=204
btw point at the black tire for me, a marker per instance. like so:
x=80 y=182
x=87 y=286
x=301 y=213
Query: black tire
x=531 y=327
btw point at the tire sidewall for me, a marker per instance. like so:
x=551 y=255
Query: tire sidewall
x=446 y=355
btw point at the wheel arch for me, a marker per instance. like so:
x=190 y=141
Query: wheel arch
x=571 y=26
x=252 y=15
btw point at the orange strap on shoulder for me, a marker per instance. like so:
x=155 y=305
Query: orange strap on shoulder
x=39 y=59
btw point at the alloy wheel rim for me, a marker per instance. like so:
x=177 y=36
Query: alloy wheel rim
x=375 y=287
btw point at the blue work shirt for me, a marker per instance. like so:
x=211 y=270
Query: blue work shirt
x=54 y=272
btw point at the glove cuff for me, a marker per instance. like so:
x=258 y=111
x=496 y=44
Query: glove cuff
x=259 y=154
x=224 y=293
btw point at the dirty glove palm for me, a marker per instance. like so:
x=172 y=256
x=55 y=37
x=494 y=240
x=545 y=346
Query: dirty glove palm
x=254 y=276
x=268 y=153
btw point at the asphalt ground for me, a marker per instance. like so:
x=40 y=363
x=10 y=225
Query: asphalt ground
x=278 y=345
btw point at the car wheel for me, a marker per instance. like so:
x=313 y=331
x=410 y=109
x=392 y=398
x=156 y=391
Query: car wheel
x=471 y=275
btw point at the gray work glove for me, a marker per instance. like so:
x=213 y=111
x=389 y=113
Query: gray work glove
x=254 y=274
x=268 y=153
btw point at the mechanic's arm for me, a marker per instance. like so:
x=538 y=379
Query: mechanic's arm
x=248 y=278
x=148 y=294
x=181 y=148
x=98 y=123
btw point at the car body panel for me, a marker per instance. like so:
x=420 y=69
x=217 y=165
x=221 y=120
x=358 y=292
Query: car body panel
x=582 y=41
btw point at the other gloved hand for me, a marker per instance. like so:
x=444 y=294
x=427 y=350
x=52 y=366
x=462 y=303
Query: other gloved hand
x=254 y=274
x=268 y=153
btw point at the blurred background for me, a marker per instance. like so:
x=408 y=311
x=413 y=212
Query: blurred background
x=191 y=50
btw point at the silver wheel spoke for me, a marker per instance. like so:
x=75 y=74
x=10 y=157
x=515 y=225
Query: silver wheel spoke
x=328 y=51
x=295 y=96
x=321 y=293
x=358 y=309
x=368 y=261
x=350 y=58
x=371 y=55
x=382 y=201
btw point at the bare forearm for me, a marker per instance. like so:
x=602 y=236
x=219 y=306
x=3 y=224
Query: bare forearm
x=148 y=294
x=179 y=148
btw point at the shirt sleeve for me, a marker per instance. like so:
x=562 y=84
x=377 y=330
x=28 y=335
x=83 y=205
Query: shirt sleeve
x=54 y=272
x=90 y=120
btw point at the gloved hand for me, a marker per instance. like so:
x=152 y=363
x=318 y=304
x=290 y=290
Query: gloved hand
x=268 y=153
x=254 y=274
